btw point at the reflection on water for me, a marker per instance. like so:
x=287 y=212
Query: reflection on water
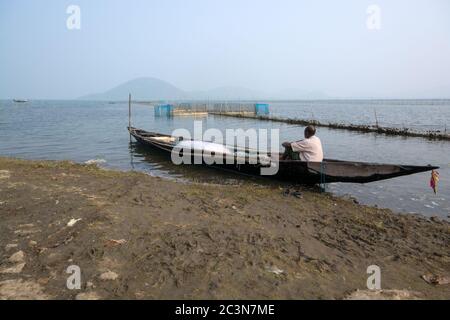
x=157 y=163
x=82 y=131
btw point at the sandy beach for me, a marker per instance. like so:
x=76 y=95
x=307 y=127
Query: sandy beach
x=140 y=237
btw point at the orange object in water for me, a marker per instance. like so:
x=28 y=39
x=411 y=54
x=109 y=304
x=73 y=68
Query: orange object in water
x=434 y=180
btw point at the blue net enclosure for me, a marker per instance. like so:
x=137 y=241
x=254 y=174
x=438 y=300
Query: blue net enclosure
x=261 y=108
x=163 y=110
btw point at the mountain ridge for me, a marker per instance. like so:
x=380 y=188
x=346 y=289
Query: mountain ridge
x=149 y=88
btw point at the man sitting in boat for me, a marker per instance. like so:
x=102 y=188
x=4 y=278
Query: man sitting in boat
x=309 y=149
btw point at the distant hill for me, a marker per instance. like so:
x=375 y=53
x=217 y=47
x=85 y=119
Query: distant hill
x=141 y=89
x=156 y=89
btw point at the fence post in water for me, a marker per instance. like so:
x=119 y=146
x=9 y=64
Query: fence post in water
x=376 y=118
x=129 y=113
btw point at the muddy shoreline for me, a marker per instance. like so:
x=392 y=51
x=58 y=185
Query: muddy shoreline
x=140 y=237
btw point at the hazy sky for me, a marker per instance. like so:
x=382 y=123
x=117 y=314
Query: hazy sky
x=265 y=45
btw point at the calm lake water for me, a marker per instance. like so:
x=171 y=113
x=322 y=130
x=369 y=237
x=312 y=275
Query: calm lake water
x=420 y=115
x=82 y=131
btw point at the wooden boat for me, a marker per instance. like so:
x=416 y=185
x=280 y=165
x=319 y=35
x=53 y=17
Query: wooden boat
x=293 y=170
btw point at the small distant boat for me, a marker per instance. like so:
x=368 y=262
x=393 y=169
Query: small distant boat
x=20 y=100
x=292 y=170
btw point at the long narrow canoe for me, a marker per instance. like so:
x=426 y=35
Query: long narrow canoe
x=293 y=170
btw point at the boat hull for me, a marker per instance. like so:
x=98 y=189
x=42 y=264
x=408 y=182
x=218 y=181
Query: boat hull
x=291 y=170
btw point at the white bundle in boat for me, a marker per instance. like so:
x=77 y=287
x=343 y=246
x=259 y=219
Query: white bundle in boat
x=197 y=147
x=202 y=146
x=254 y=157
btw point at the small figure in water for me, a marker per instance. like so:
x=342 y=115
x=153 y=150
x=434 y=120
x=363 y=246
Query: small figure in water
x=309 y=149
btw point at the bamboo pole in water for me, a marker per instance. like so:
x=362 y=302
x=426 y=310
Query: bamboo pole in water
x=129 y=110
x=376 y=118
x=129 y=113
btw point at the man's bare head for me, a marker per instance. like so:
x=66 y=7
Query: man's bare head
x=310 y=131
